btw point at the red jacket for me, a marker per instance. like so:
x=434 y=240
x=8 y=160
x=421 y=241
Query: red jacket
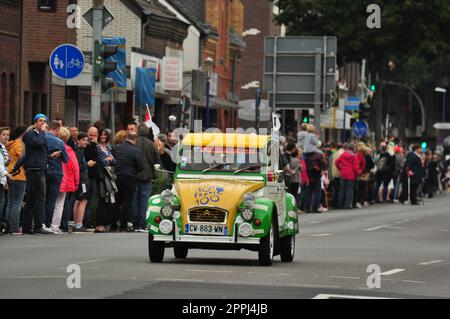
x=348 y=166
x=71 y=170
x=362 y=162
x=304 y=180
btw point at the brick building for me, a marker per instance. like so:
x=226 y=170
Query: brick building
x=10 y=24
x=44 y=27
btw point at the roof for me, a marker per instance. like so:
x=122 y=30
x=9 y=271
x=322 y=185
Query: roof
x=195 y=18
x=150 y=7
x=226 y=140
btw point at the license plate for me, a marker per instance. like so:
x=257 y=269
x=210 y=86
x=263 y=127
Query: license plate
x=205 y=229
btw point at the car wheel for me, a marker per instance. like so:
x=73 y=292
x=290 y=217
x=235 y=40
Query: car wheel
x=287 y=248
x=155 y=250
x=180 y=252
x=267 y=247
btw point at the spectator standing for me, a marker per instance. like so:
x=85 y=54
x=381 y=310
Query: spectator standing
x=57 y=155
x=82 y=194
x=316 y=164
x=73 y=141
x=432 y=180
x=145 y=178
x=294 y=169
x=91 y=157
x=165 y=153
x=35 y=163
x=106 y=183
x=385 y=170
x=18 y=183
x=69 y=183
x=349 y=169
x=4 y=161
x=335 y=176
x=129 y=163
x=412 y=174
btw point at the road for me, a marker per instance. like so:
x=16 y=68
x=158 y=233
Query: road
x=333 y=252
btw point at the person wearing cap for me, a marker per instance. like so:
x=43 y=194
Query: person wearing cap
x=35 y=163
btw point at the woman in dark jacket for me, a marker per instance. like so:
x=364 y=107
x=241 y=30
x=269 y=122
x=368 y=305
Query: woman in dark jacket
x=412 y=174
x=432 y=181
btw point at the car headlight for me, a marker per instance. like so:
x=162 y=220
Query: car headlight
x=245 y=230
x=247 y=214
x=167 y=196
x=249 y=199
x=166 y=227
x=167 y=211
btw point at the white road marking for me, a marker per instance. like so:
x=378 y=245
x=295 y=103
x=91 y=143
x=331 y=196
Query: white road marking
x=320 y=235
x=431 y=262
x=414 y=282
x=327 y=296
x=284 y=274
x=315 y=222
x=394 y=227
x=343 y=277
x=377 y=227
x=179 y=280
x=392 y=272
x=211 y=271
x=39 y=277
x=445 y=230
x=90 y=261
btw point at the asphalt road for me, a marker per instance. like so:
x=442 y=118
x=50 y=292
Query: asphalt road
x=333 y=252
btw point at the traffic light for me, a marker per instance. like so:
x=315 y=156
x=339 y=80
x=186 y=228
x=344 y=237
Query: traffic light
x=424 y=145
x=364 y=111
x=373 y=88
x=102 y=67
x=305 y=116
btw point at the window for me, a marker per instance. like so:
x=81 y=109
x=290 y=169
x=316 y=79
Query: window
x=47 y=5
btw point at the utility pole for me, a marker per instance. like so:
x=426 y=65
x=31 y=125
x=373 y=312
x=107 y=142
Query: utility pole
x=317 y=90
x=96 y=90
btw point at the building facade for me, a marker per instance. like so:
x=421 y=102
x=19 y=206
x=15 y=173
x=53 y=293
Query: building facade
x=10 y=29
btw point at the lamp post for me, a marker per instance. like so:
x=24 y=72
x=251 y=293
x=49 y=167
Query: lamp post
x=209 y=64
x=444 y=91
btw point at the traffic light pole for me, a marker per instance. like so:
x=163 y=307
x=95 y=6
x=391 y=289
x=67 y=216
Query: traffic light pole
x=96 y=94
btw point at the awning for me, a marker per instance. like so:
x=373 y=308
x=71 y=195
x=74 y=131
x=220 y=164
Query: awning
x=220 y=103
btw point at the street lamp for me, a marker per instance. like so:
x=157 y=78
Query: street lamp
x=441 y=90
x=209 y=65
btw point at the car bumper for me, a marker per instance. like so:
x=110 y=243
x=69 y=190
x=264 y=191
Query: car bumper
x=206 y=239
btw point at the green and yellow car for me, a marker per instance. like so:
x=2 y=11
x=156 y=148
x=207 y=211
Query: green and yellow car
x=228 y=193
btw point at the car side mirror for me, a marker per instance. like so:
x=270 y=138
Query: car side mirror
x=280 y=176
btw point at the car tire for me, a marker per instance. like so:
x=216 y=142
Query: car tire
x=267 y=247
x=287 y=248
x=155 y=250
x=180 y=252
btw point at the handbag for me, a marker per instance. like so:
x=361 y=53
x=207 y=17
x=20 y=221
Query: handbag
x=364 y=177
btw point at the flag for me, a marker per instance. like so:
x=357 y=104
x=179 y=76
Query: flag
x=150 y=124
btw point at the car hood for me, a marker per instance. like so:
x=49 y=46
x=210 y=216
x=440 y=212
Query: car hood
x=224 y=194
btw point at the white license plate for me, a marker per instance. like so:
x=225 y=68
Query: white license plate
x=205 y=229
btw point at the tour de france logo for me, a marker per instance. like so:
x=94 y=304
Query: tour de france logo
x=207 y=195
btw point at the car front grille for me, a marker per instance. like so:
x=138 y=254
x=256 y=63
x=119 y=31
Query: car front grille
x=207 y=215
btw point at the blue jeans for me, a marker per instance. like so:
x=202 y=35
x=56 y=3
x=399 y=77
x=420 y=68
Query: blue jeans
x=346 y=190
x=16 y=193
x=313 y=196
x=53 y=186
x=141 y=197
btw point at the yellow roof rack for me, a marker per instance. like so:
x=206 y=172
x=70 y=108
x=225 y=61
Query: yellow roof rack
x=226 y=140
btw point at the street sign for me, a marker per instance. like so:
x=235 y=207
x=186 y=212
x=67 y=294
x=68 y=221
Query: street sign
x=442 y=126
x=107 y=17
x=67 y=61
x=352 y=103
x=295 y=75
x=360 y=129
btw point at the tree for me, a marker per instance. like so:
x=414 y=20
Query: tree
x=413 y=35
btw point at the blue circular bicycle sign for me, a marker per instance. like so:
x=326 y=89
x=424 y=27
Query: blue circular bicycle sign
x=67 y=61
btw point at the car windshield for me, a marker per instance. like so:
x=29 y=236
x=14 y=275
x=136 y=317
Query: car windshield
x=218 y=159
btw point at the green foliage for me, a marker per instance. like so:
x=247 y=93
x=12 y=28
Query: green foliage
x=414 y=34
